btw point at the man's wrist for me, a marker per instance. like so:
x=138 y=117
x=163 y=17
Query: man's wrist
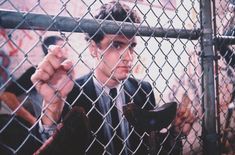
x=51 y=113
x=46 y=130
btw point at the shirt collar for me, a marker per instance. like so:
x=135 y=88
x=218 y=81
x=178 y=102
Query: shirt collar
x=106 y=89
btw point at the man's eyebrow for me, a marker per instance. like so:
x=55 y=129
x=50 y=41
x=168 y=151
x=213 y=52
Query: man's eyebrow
x=118 y=42
x=125 y=43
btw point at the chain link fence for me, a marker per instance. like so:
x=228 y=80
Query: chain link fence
x=182 y=51
x=224 y=27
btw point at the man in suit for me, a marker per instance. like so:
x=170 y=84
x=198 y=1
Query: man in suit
x=101 y=93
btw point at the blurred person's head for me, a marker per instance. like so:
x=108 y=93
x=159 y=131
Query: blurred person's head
x=113 y=53
x=51 y=40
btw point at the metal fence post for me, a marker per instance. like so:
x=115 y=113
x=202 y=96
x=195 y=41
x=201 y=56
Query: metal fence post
x=210 y=137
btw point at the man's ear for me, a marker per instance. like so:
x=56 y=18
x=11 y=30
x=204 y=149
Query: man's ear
x=93 y=49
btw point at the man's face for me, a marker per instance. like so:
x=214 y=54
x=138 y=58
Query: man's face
x=115 y=55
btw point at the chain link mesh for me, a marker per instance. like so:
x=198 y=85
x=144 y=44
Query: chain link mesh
x=224 y=21
x=167 y=56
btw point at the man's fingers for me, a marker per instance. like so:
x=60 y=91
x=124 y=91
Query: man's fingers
x=40 y=75
x=191 y=118
x=67 y=64
x=186 y=114
x=67 y=88
x=46 y=67
x=57 y=51
x=54 y=75
x=52 y=60
x=185 y=118
x=185 y=101
x=181 y=110
x=48 y=93
x=177 y=121
x=186 y=129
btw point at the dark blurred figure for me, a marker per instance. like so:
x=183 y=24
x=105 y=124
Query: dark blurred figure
x=16 y=134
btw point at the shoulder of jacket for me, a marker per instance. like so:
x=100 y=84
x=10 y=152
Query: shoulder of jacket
x=138 y=82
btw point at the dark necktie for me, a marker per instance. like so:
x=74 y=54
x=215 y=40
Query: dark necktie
x=114 y=112
x=117 y=142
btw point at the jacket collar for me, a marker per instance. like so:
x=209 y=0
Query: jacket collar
x=129 y=89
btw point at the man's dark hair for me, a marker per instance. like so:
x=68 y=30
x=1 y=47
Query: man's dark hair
x=50 y=40
x=113 y=10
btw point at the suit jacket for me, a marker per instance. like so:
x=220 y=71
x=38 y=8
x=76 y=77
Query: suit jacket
x=84 y=95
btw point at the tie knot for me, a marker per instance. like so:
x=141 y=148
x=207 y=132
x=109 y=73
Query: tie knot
x=113 y=92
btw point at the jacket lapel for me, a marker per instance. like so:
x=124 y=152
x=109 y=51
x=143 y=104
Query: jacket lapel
x=131 y=93
x=95 y=116
x=89 y=89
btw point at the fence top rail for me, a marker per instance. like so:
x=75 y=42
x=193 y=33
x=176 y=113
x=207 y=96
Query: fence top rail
x=225 y=40
x=33 y=21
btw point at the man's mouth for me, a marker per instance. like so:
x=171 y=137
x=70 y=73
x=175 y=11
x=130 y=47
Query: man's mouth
x=124 y=67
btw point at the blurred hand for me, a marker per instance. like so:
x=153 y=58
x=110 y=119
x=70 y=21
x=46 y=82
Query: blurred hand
x=184 y=117
x=53 y=79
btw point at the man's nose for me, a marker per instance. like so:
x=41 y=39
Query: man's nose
x=128 y=54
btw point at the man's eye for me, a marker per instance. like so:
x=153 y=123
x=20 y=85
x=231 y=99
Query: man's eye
x=133 y=45
x=116 y=45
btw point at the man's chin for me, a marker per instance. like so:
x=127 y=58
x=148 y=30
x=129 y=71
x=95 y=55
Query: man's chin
x=122 y=76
